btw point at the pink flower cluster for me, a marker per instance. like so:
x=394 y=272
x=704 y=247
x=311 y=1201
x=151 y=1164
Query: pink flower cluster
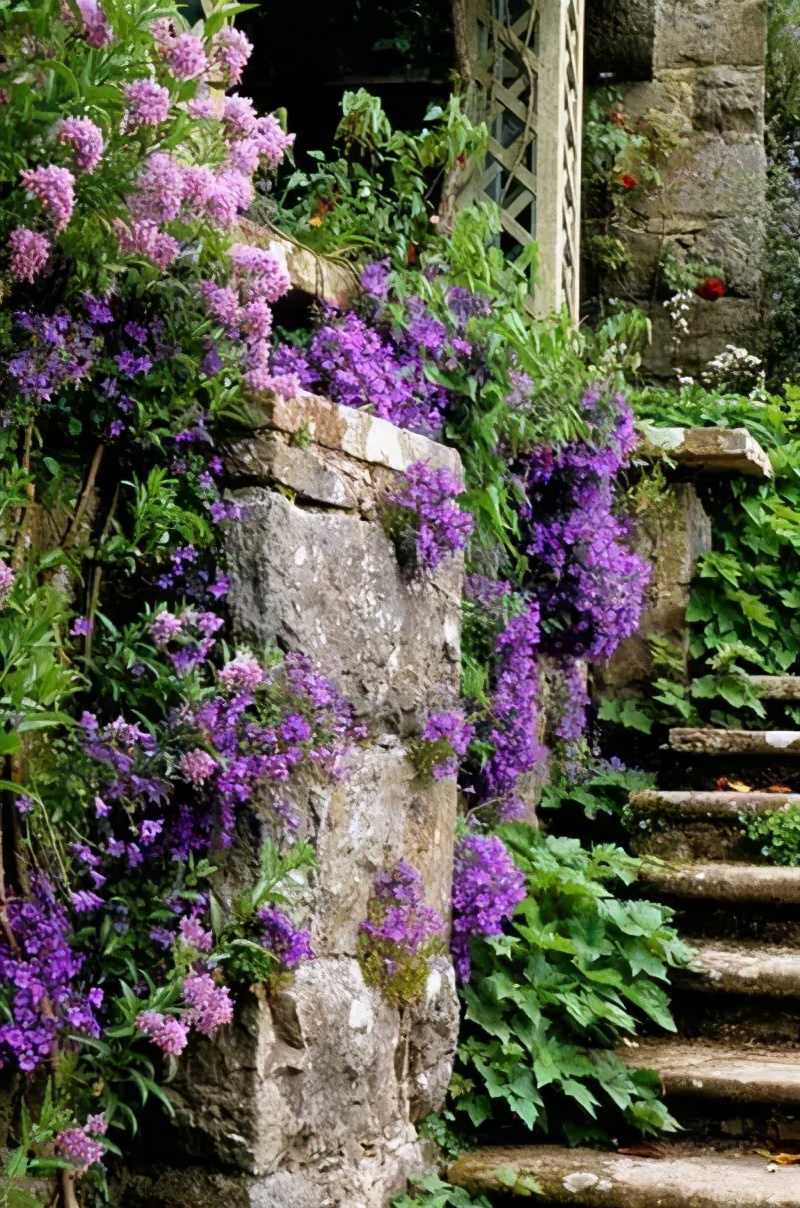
x=184 y=54
x=197 y=766
x=7 y=577
x=78 y=1145
x=230 y=52
x=86 y=140
x=243 y=308
x=242 y=674
x=54 y=187
x=30 y=253
x=166 y=1031
x=95 y=24
x=147 y=105
x=210 y=1005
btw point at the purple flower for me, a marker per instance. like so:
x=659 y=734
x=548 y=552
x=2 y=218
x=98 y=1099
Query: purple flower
x=450 y=735
x=194 y=934
x=442 y=527
x=375 y=279
x=55 y=188
x=83 y=901
x=210 y=1005
x=242 y=674
x=288 y=943
x=30 y=253
x=165 y=1031
x=82 y=627
x=147 y=104
x=85 y=138
x=79 y=1148
x=487 y=886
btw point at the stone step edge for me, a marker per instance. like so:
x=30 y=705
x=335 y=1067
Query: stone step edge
x=701 y=741
x=749 y=969
x=725 y=882
x=589 y=1179
x=689 y=1069
x=709 y=450
x=776 y=687
x=697 y=804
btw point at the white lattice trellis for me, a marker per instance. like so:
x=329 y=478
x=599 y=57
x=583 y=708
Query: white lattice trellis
x=527 y=69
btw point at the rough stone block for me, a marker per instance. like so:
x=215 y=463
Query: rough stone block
x=710 y=32
x=710 y=450
x=729 y=99
x=329 y=584
x=713 y=325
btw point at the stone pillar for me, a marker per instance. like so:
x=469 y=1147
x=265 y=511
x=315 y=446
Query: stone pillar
x=310 y=1099
x=701 y=67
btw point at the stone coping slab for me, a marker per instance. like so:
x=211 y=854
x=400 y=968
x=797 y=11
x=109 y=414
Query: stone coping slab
x=710 y=450
x=685 y=1178
x=734 y=967
x=727 y=882
x=356 y=433
x=776 y=687
x=694 y=806
x=705 y=1071
x=735 y=742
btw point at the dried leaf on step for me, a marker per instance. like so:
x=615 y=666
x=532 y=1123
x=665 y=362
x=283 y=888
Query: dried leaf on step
x=781 y=1159
x=739 y=786
x=778 y=788
x=645 y=1151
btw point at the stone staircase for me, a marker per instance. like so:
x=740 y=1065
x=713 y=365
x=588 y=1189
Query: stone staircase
x=732 y=1076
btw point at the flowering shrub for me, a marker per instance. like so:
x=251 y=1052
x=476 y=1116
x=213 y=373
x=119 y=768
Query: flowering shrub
x=399 y=936
x=427 y=504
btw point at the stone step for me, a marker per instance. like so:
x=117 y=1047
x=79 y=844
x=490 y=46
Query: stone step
x=702 y=806
x=736 y=742
x=745 y=968
x=720 y=882
x=684 y=1178
x=691 y=1069
x=776 y=687
x=711 y=450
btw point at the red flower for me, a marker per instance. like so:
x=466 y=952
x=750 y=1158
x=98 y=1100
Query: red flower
x=627 y=181
x=711 y=289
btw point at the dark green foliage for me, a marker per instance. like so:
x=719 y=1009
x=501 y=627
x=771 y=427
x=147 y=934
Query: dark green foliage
x=776 y=835
x=579 y=969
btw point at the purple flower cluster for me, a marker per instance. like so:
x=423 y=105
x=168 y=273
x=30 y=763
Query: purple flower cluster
x=86 y=140
x=37 y=975
x=515 y=704
x=442 y=527
x=61 y=352
x=583 y=572
x=487 y=886
x=7 y=578
x=399 y=935
x=54 y=188
x=448 y=736
x=80 y=1147
x=291 y=945
x=210 y=1005
x=166 y=1031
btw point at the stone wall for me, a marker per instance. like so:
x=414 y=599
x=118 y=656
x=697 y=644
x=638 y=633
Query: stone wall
x=310 y=1100
x=697 y=70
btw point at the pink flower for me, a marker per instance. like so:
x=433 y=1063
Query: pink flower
x=244 y=155
x=160 y=190
x=242 y=674
x=201 y=106
x=55 y=189
x=195 y=936
x=239 y=116
x=79 y=1149
x=198 y=185
x=262 y=276
x=273 y=140
x=186 y=57
x=230 y=52
x=232 y=192
x=197 y=765
x=256 y=319
x=222 y=303
x=165 y=1031
x=210 y=1005
x=85 y=138
x=30 y=253
x=148 y=104
x=145 y=239
x=95 y=24
x=163 y=32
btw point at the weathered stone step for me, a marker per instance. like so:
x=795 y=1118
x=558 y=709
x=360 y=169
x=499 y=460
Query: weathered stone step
x=711 y=450
x=713 y=882
x=697 y=806
x=685 y=1178
x=694 y=1070
x=742 y=968
x=776 y=687
x=736 y=742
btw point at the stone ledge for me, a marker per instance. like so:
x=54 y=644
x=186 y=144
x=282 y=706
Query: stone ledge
x=704 y=1071
x=745 y=968
x=710 y=450
x=735 y=742
x=701 y=806
x=727 y=883
x=360 y=435
x=776 y=687
x=686 y=1178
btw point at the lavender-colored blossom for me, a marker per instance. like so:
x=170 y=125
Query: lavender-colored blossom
x=243 y=673
x=7 y=577
x=487 y=886
x=210 y=1005
x=96 y=27
x=450 y=729
x=55 y=188
x=166 y=1031
x=82 y=627
x=86 y=140
x=78 y=1148
x=195 y=935
x=514 y=733
x=144 y=239
x=230 y=52
x=30 y=253
x=198 y=766
x=147 y=104
x=290 y=944
x=375 y=279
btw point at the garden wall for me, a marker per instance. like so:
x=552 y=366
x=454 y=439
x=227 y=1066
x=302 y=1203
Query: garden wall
x=694 y=74
x=310 y=1100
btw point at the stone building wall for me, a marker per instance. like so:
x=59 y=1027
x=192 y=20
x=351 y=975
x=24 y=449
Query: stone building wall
x=694 y=69
x=310 y=1100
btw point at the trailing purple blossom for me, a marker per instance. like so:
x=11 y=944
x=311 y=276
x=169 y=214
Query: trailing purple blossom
x=442 y=527
x=444 y=742
x=399 y=936
x=515 y=704
x=487 y=886
x=290 y=945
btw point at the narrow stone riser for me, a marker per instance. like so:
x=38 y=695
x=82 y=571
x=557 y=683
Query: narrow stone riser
x=701 y=919
x=730 y=1125
x=671 y=838
x=733 y=1019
